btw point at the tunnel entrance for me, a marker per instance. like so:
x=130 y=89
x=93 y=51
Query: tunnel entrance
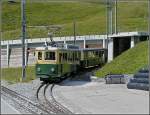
x=121 y=45
x=122 y=41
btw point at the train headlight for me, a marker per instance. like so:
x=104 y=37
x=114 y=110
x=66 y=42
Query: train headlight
x=52 y=69
x=38 y=69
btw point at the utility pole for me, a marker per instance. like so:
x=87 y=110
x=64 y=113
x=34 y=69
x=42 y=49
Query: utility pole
x=149 y=35
x=0 y=33
x=23 y=17
x=74 y=30
x=116 y=8
x=110 y=16
x=109 y=19
x=107 y=26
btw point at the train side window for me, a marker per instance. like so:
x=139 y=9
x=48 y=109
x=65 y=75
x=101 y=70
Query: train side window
x=49 y=55
x=79 y=55
x=72 y=56
x=39 y=55
x=69 y=57
x=60 y=57
x=100 y=54
x=65 y=56
x=97 y=53
x=75 y=56
x=85 y=54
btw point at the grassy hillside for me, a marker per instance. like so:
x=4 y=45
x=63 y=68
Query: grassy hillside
x=13 y=75
x=90 y=17
x=128 y=62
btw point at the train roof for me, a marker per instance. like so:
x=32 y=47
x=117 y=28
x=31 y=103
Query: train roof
x=46 y=48
x=59 y=47
x=81 y=49
x=68 y=47
x=92 y=49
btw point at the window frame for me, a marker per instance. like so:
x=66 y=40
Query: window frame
x=41 y=55
x=51 y=57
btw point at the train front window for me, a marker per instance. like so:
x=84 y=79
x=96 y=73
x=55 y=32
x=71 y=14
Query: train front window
x=39 y=55
x=49 y=55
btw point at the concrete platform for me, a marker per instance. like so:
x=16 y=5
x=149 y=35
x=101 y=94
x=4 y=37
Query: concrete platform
x=100 y=98
x=7 y=108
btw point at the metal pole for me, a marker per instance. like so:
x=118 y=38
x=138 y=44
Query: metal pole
x=149 y=37
x=107 y=21
x=74 y=30
x=23 y=17
x=111 y=17
x=0 y=34
x=116 y=16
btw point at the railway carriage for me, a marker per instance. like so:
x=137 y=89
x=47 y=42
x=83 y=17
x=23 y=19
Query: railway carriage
x=57 y=62
x=91 y=57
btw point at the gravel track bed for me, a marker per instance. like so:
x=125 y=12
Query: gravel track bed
x=29 y=89
x=26 y=89
x=21 y=103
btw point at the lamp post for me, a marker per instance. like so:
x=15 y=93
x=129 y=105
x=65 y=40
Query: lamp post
x=23 y=21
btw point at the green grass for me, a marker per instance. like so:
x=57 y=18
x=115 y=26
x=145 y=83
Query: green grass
x=90 y=17
x=13 y=75
x=128 y=62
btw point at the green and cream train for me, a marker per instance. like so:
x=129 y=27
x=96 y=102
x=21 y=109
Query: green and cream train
x=56 y=62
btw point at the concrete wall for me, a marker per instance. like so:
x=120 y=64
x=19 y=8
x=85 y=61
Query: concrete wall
x=110 y=50
x=15 y=58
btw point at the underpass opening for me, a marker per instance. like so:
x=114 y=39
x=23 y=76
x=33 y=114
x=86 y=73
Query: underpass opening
x=120 y=45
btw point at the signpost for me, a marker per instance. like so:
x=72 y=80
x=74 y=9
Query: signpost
x=23 y=20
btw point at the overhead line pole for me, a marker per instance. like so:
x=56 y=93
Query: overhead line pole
x=116 y=12
x=23 y=37
x=0 y=34
x=149 y=37
x=107 y=31
x=74 y=30
x=109 y=19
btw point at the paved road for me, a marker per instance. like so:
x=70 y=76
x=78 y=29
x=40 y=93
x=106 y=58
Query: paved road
x=101 y=98
x=7 y=109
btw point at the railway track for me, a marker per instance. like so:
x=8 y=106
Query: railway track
x=47 y=100
x=23 y=102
